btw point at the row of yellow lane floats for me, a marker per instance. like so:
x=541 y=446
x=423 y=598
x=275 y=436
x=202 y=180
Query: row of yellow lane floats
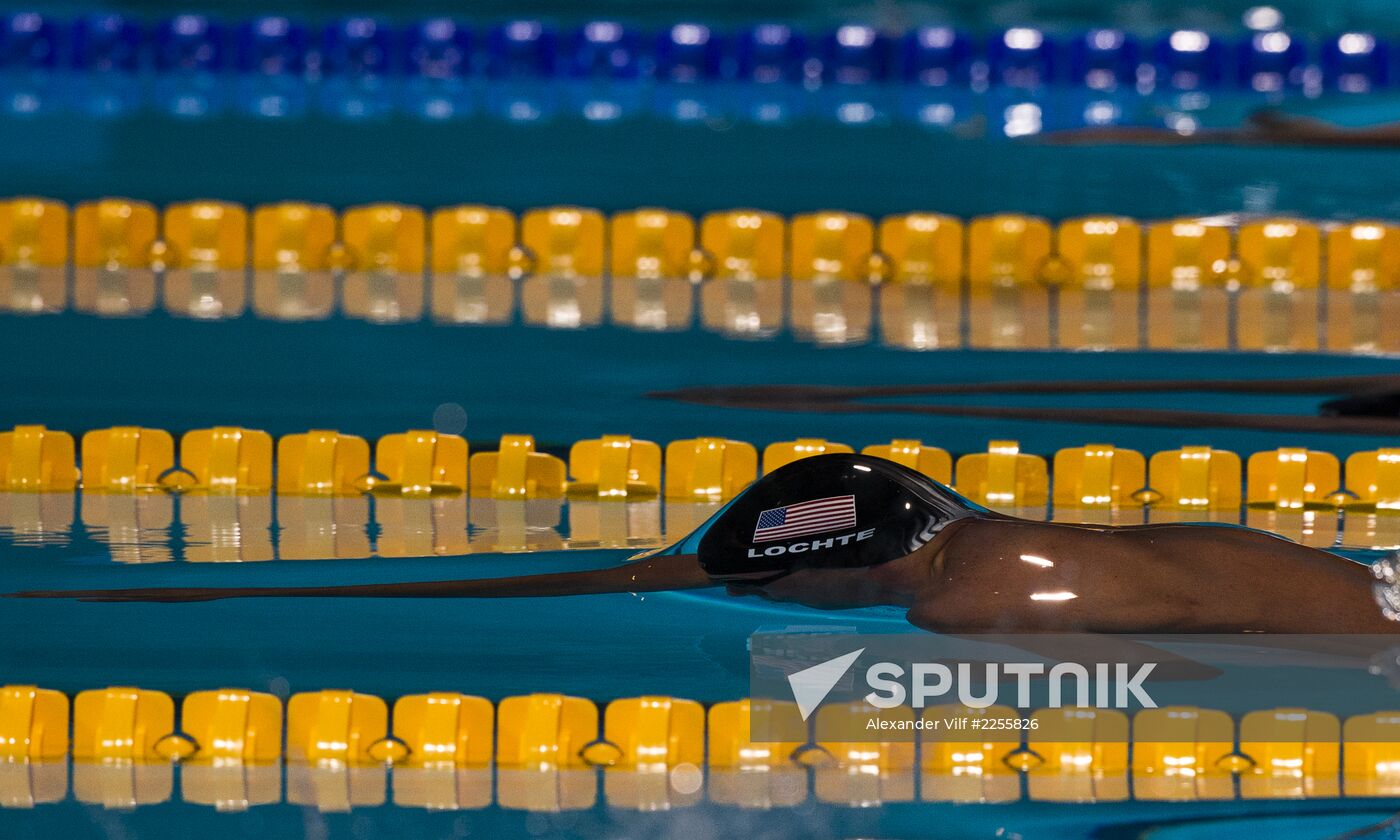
x=1003 y=281
x=659 y=751
x=709 y=469
x=1294 y=491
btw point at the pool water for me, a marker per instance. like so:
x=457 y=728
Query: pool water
x=76 y=372
x=370 y=380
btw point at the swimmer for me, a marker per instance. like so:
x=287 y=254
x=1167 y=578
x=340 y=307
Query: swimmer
x=1262 y=128
x=843 y=531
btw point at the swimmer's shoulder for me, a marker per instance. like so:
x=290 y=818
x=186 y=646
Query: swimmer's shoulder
x=1201 y=533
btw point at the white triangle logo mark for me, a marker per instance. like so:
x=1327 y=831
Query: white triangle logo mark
x=811 y=685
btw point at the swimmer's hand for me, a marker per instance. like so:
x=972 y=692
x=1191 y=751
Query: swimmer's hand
x=654 y=574
x=116 y=596
x=1262 y=128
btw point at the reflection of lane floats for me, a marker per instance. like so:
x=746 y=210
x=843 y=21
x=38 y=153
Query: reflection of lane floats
x=141 y=528
x=955 y=110
x=331 y=788
x=242 y=528
x=1367 y=404
x=37 y=518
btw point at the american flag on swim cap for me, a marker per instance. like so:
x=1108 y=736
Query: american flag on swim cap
x=785 y=523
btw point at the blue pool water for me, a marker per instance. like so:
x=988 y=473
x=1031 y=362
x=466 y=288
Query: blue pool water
x=371 y=380
x=75 y=373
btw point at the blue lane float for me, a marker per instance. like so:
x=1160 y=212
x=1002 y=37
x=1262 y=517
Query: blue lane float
x=849 y=54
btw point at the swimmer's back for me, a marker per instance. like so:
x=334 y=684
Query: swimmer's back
x=1153 y=578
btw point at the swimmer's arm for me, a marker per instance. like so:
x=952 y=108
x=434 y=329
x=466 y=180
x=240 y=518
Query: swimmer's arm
x=663 y=572
x=177 y=595
x=1265 y=128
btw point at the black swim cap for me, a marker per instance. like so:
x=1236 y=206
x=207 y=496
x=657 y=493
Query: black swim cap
x=827 y=511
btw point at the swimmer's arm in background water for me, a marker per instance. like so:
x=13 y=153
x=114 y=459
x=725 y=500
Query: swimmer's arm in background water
x=658 y=573
x=1262 y=128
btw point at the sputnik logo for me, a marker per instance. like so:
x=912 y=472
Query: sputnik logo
x=811 y=685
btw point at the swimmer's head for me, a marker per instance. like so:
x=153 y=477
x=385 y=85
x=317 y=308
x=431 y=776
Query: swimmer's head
x=825 y=512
